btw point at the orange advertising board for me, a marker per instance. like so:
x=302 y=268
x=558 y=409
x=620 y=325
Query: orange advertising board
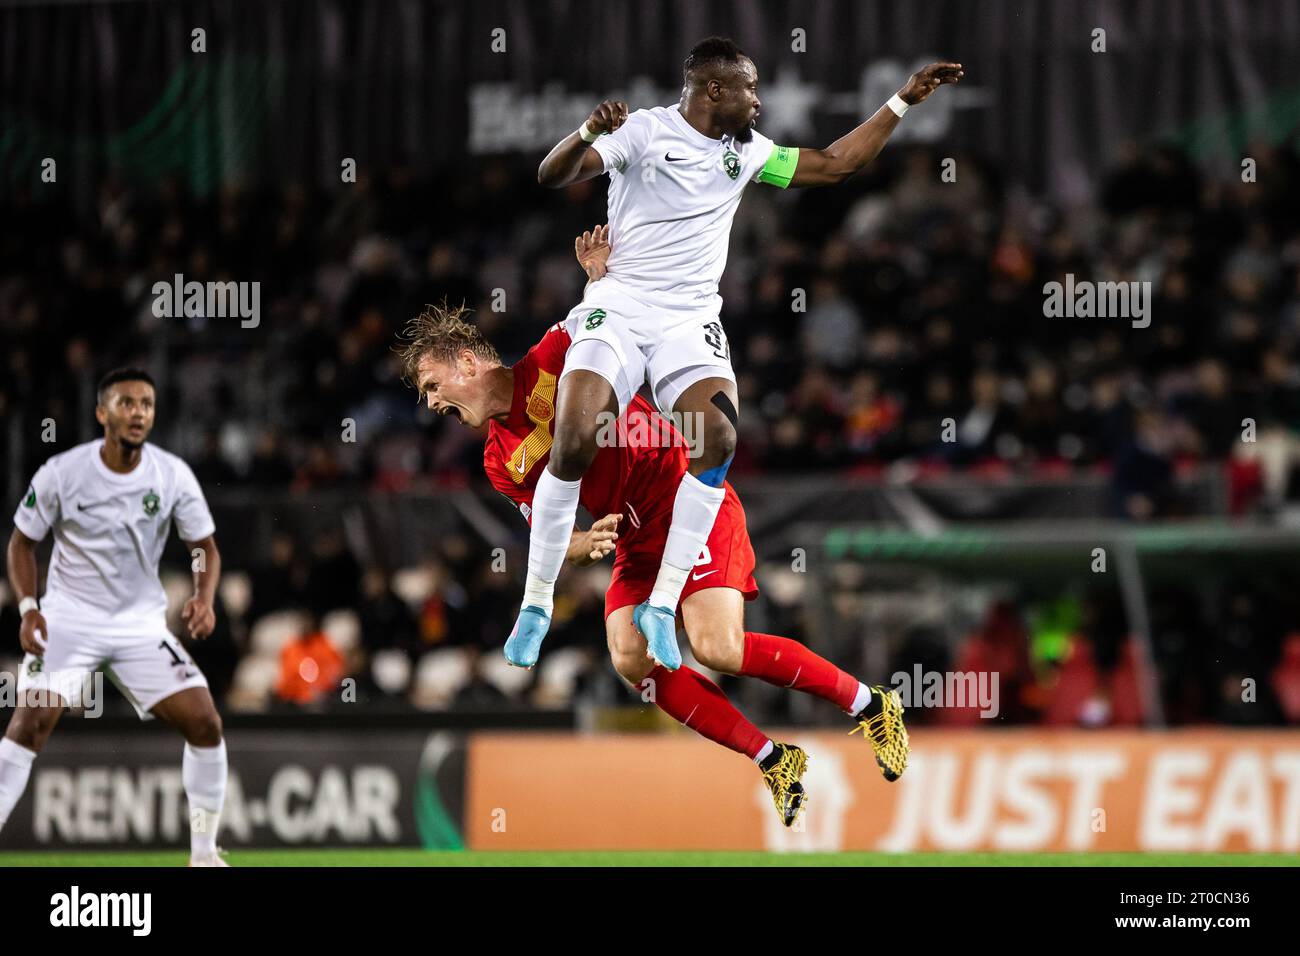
x=1007 y=790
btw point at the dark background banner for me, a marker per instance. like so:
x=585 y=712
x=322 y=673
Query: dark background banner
x=286 y=89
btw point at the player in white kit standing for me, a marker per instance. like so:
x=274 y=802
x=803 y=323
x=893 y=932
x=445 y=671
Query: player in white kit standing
x=676 y=175
x=110 y=504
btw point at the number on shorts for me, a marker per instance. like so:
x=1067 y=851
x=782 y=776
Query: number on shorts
x=717 y=340
x=172 y=651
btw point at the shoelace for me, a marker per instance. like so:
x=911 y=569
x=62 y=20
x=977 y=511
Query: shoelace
x=883 y=729
x=787 y=771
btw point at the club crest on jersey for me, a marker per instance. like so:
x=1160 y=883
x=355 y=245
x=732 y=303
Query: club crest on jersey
x=731 y=164
x=151 y=503
x=597 y=317
x=540 y=408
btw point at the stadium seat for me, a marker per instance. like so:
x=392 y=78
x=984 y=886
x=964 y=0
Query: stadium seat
x=272 y=632
x=343 y=628
x=253 y=682
x=236 y=590
x=413 y=585
x=782 y=585
x=511 y=681
x=558 y=675
x=440 y=675
x=391 y=671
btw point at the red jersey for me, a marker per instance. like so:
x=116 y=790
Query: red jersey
x=641 y=455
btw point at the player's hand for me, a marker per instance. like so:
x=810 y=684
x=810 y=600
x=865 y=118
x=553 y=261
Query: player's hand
x=33 y=633
x=925 y=81
x=592 y=250
x=607 y=117
x=200 y=617
x=600 y=539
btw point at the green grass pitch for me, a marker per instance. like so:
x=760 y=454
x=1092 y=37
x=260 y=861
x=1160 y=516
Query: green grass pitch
x=394 y=857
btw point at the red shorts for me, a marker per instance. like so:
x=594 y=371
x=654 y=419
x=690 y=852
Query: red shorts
x=728 y=562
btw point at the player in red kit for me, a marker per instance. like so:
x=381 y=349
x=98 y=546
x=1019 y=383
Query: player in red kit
x=631 y=484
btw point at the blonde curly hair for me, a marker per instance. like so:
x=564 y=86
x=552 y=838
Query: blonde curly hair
x=440 y=331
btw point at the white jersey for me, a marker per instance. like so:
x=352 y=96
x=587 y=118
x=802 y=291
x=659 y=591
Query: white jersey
x=673 y=193
x=110 y=529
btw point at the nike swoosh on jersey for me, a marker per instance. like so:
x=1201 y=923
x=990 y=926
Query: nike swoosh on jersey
x=523 y=461
x=696 y=577
x=675 y=159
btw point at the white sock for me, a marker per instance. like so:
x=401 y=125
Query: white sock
x=15 y=767
x=861 y=700
x=694 y=511
x=555 y=506
x=765 y=752
x=203 y=772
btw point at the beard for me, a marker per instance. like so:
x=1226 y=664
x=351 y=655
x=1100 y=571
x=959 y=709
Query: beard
x=745 y=134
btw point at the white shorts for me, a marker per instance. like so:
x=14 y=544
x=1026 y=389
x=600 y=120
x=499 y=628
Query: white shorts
x=627 y=342
x=143 y=658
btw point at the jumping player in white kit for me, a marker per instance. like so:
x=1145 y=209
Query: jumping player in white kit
x=676 y=175
x=111 y=504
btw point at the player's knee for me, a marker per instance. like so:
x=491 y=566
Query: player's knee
x=627 y=653
x=633 y=668
x=572 y=452
x=204 y=730
x=717 y=448
x=719 y=647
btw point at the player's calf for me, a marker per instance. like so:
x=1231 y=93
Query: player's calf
x=31 y=725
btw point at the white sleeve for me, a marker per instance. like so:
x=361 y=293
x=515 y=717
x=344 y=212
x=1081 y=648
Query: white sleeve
x=627 y=144
x=40 y=508
x=760 y=150
x=193 y=519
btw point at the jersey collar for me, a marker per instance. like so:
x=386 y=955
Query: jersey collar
x=691 y=133
x=112 y=475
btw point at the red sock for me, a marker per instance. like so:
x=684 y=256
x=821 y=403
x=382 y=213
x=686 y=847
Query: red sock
x=692 y=699
x=787 y=663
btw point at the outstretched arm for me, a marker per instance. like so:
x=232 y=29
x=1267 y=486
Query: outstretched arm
x=588 y=547
x=573 y=160
x=851 y=153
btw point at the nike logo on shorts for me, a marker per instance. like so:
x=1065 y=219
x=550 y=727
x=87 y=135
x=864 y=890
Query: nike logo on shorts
x=696 y=577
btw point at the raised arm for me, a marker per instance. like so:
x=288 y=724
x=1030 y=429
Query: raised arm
x=572 y=159
x=21 y=561
x=852 y=152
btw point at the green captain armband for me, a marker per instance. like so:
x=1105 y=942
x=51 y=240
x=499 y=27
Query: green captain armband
x=779 y=168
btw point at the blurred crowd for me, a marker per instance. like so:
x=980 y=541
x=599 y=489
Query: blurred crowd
x=897 y=319
x=896 y=322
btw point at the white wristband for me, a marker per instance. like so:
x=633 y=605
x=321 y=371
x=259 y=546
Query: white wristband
x=897 y=104
x=27 y=604
x=587 y=135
